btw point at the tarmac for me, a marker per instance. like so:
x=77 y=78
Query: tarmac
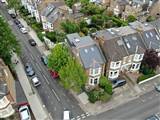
x=34 y=101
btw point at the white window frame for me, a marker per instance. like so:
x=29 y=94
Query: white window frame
x=93 y=80
x=93 y=71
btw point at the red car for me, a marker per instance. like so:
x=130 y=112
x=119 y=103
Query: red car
x=54 y=74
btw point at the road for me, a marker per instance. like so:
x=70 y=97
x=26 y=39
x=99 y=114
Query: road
x=54 y=97
x=137 y=109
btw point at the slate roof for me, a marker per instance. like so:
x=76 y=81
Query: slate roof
x=149 y=34
x=113 y=47
x=50 y=12
x=89 y=52
x=132 y=40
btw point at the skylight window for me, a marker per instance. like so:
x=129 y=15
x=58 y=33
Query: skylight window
x=147 y=35
x=151 y=34
x=85 y=50
x=157 y=37
x=128 y=45
x=134 y=37
x=92 y=49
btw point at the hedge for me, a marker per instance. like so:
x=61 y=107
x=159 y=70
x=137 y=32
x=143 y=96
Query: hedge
x=144 y=77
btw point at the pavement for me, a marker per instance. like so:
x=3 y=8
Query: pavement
x=36 y=105
x=56 y=99
x=53 y=96
x=138 y=109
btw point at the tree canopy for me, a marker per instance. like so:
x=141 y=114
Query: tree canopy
x=70 y=27
x=131 y=18
x=58 y=57
x=14 y=4
x=72 y=75
x=151 y=59
x=8 y=42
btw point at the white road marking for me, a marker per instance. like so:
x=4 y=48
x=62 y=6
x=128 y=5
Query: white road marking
x=82 y=115
x=78 y=117
x=45 y=79
x=73 y=119
x=56 y=95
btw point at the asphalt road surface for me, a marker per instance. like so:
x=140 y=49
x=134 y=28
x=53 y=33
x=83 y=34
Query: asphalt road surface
x=54 y=97
x=138 y=109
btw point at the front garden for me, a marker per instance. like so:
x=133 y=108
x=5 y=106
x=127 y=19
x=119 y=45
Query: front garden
x=149 y=65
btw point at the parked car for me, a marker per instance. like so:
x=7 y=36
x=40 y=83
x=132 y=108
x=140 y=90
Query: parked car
x=66 y=115
x=24 y=113
x=44 y=60
x=157 y=87
x=32 y=42
x=20 y=26
x=54 y=74
x=16 y=21
x=36 y=81
x=153 y=117
x=13 y=16
x=118 y=83
x=29 y=70
x=23 y=30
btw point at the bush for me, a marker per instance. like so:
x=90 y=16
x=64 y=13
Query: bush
x=96 y=95
x=144 y=77
x=24 y=11
x=146 y=70
x=93 y=96
x=105 y=84
x=105 y=97
x=40 y=36
x=150 y=18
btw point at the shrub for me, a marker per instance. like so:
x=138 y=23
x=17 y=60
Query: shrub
x=144 y=77
x=93 y=96
x=150 y=18
x=40 y=36
x=146 y=70
x=105 y=97
x=105 y=84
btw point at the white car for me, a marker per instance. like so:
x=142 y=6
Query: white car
x=24 y=113
x=66 y=115
x=36 y=81
x=23 y=30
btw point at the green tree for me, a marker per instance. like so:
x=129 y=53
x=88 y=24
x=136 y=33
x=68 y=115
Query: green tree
x=150 y=18
x=58 y=57
x=105 y=84
x=72 y=75
x=8 y=42
x=91 y=9
x=131 y=18
x=56 y=36
x=14 y=4
x=70 y=27
x=70 y=3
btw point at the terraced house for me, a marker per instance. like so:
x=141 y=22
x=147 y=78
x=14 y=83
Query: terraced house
x=123 y=49
x=150 y=35
x=7 y=91
x=46 y=11
x=87 y=51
